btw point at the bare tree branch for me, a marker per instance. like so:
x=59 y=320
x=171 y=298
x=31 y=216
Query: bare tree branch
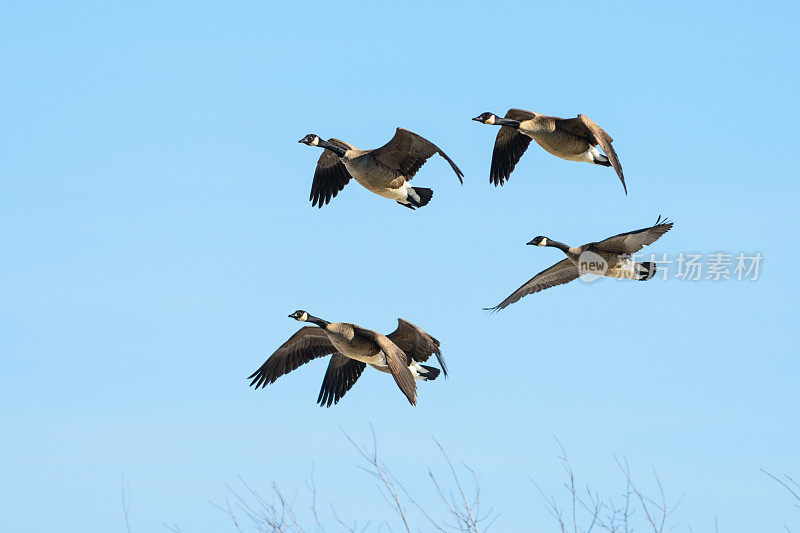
x=589 y=511
x=378 y=470
x=126 y=501
x=787 y=486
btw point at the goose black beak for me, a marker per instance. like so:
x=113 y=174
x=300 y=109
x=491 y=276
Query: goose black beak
x=477 y=119
x=291 y=316
x=301 y=140
x=531 y=243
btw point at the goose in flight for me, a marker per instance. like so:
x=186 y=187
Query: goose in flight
x=352 y=348
x=386 y=171
x=573 y=139
x=611 y=258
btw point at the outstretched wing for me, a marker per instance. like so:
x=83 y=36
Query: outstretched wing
x=509 y=146
x=633 y=241
x=416 y=343
x=397 y=362
x=558 y=274
x=342 y=374
x=308 y=343
x=583 y=126
x=407 y=152
x=330 y=177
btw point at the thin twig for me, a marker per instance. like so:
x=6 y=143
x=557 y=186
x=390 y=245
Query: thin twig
x=786 y=485
x=125 y=506
x=312 y=486
x=227 y=510
x=381 y=474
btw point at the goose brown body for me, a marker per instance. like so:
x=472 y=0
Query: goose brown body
x=385 y=171
x=352 y=348
x=573 y=139
x=615 y=254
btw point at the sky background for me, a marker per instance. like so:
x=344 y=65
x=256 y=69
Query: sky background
x=155 y=231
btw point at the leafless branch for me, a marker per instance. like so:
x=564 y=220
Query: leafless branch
x=348 y=527
x=126 y=502
x=588 y=511
x=464 y=511
x=656 y=513
x=266 y=516
x=312 y=487
x=792 y=486
x=378 y=470
x=552 y=507
x=227 y=510
x=467 y=517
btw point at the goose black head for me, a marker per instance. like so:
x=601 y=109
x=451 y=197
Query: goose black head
x=299 y=315
x=310 y=139
x=486 y=118
x=539 y=241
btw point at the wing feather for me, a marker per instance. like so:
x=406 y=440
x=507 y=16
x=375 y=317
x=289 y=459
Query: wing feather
x=396 y=360
x=520 y=114
x=416 y=343
x=558 y=274
x=340 y=377
x=633 y=241
x=308 y=343
x=330 y=176
x=509 y=145
x=406 y=152
x=583 y=126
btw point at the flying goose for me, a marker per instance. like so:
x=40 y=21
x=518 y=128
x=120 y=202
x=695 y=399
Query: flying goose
x=573 y=139
x=385 y=171
x=611 y=257
x=399 y=353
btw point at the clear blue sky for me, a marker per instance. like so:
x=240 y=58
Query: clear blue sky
x=155 y=231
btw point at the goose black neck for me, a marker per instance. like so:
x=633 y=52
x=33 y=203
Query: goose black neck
x=318 y=321
x=560 y=245
x=338 y=150
x=507 y=122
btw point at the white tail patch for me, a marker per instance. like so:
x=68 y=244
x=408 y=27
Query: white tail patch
x=589 y=156
x=419 y=373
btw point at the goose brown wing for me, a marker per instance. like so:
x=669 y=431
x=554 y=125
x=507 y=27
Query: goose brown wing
x=340 y=377
x=583 y=126
x=330 y=176
x=558 y=274
x=396 y=360
x=416 y=343
x=633 y=241
x=406 y=152
x=509 y=145
x=308 y=343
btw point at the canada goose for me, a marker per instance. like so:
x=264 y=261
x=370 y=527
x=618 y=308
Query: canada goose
x=385 y=171
x=399 y=353
x=573 y=139
x=611 y=257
